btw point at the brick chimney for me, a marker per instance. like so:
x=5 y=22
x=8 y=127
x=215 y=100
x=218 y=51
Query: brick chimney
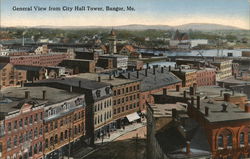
x=99 y=79
x=27 y=94
x=177 y=88
x=174 y=113
x=165 y=91
x=191 y=91
x=154 y=70
x=162 y=69
x=44 y=94
x=147 y=66
x=227 y=97
x=185 y=94
x=146 y=72
x=247 y=108
x=129 y=75
x=188 y=147
x=195 y=87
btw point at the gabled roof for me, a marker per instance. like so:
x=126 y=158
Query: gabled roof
x=2 y=65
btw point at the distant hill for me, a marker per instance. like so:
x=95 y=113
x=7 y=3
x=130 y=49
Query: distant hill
x=193 y=26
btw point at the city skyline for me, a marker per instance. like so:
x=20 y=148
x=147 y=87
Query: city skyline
x=162 y=12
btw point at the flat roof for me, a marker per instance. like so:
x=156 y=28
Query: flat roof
x=105 y=78
x=12 y=96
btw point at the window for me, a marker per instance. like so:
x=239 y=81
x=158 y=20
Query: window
x=46 y=143
x=41 y=116
x=229 y=140
x=61 y=136
x=98 y=93
x=30 y=134
x=9 y=143
x=242 y=135
x=15 y=141
x=9 y=126
x=35 y=149
x=20 y=123
x=107 y=90
x=31 y=119
x=51 y=126
x=56 y=139
x=248 y=137
x=46 y=129
x=36 y=118
x=21 y=138
x=40 y=146
x=61 y=122
x=30 y=151
x=41 y=131
x=35 y=132
x=51 y=141
x=15 y=124
x=56 y=123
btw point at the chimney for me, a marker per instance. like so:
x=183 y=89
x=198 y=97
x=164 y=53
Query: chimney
x=27 y=94
x=233 y=92
x=129 y=75
x=206 y=111
x=195 y=87
x=180 y=69
x=221 y=91
x=137 y=74
x=169 y=68
x=213 y=59
x=162 y=69
x=175 y=66
x=147 y=66
x=192 y=101
x=165 y=91
x=223 y=85
x=146 y=72
x=185 y=94
x=44 y=94
x=110 y=76
x=198 y=98
x=174 y=113
x=80 y=84
x=70 y=89
x=188 y=147
x=154 y=70
x=177 y=88
x=227 y=97
x=99 y=78
x=235 y=75
x=247 y=108
x=191 y=90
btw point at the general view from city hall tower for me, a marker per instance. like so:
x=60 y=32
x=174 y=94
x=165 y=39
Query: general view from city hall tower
x=124 y=79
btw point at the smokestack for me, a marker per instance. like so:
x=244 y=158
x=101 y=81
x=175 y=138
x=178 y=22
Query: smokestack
x=169 y=68
x=27 y=94
x=146 y=72
x=198 y=98
x=195 y=88
x=162 y=69
x=206 y=111
x=154 y=70
x=137 y=74
x=99 y=78
x=44 y=94
x=177 y=88
x=227 y=97
x=147 y=66
x=80 y=84
x=188 y=147
x=165 y=91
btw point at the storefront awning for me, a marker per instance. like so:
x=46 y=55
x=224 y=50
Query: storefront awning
x=132 y=117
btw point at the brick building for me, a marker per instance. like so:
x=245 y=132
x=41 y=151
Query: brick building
x=206 y=77
x=188 y=76
x=22 y=128
x=152 y=81
x=49 y=59
x=126 y=96
x=79 y=65
x=10 y=76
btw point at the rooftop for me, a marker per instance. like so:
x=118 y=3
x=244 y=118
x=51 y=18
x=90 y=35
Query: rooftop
x=105 y=78
x=12 y=96
x=153 y=81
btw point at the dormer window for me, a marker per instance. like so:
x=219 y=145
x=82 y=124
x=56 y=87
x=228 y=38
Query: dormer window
x=107 y=90
x=49 y=113
x=98 y=93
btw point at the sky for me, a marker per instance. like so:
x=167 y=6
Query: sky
x=149 y=12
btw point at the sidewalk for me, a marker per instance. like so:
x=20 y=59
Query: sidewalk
x=120 y=132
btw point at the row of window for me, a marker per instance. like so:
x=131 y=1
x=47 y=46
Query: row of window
x=227 y=136
x=122 y=109
x=24 y=122
x=54 y=124
x=128 y=98
x=103 y=117
x=126 y=90
x=63 y=136
x=103 y=105
x=29 y=135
